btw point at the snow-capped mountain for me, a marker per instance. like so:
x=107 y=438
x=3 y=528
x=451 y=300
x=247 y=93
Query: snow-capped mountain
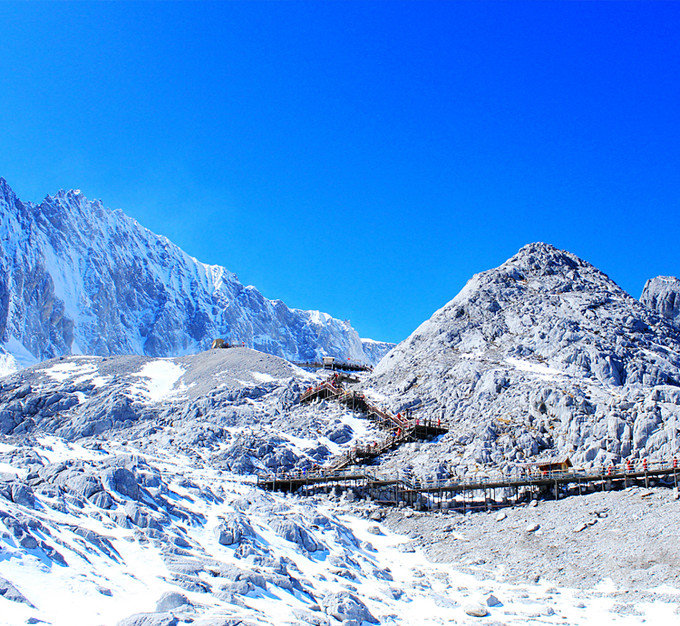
x=662 y=294
x=76 y=277
x=544 y=353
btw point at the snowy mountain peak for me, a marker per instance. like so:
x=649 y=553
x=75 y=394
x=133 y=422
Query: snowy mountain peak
x=76 y=277
x=5 y=190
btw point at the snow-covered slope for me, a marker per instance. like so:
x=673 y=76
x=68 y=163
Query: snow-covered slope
x=239 y=405
x=76 y=277
x=544 y=353
x=662 y=294
x=123 y=500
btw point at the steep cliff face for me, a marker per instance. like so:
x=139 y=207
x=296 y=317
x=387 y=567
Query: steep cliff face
x=662 y=294
x=76 y=277
x=544 y=352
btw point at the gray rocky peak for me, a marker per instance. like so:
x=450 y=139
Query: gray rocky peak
x=545 y=352
x=662 y=294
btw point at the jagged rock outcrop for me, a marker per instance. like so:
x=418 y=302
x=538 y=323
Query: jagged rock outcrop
x=76 y=277
x=542 y=354
x=662 y=294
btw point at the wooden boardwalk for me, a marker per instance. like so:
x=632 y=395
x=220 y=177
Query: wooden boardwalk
x=474 y=492
x=452 y=493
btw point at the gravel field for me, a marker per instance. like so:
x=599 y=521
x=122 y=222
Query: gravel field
x=621 y=543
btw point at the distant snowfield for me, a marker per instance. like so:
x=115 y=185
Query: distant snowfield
x=161 y=377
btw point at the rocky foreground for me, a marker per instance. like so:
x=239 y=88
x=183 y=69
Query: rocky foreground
x=109 y=534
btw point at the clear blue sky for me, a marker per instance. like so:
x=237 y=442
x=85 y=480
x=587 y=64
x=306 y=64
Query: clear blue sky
x=362 y=159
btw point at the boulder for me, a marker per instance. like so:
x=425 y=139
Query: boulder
x=476 y=610
x=22 y=494
x=122 y=481
x=343 y=605
x=232 y=528
x=341 y=433
x=291 y=531
x=79 y=482
x=172 y=600
x=492 y=600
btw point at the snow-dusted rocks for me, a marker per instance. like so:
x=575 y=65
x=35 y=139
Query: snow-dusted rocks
x=542 y=355
x=662 y=294
x=76 y=277
x=232 y=528
x=292 y=531
x=346 y=607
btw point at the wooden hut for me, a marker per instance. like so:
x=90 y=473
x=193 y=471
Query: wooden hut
x=545 y=466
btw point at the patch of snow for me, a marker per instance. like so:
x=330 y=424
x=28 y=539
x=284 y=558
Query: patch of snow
x=6 y=468
x=64 y=371
x=533 y=368
x=161 y=377
x=263 y=378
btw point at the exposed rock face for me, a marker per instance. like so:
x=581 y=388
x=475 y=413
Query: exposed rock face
x=375 y=350
x=544 y=353
x=662 y=294
x=76 y=277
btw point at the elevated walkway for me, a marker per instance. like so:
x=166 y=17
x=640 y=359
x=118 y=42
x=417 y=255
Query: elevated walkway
x=336 y=365
x=476 y=492
x=402 y=429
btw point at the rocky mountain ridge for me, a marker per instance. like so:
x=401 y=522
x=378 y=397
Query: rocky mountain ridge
x=76 y=277
x=542 y=355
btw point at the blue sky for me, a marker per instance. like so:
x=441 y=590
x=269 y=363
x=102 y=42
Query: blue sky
x=362 y=159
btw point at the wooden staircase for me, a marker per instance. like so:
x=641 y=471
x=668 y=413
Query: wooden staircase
x=402 y=429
